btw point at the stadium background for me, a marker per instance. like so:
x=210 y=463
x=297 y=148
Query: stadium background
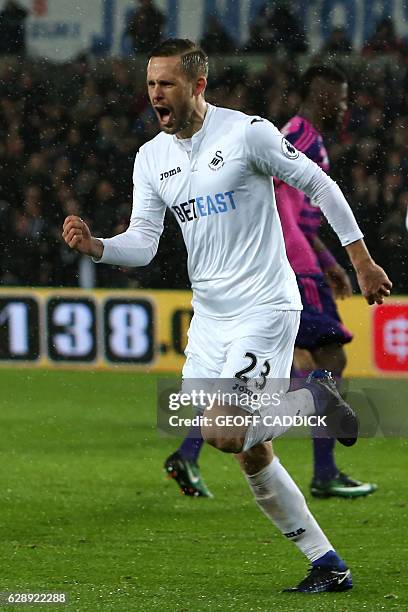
x=73 y=111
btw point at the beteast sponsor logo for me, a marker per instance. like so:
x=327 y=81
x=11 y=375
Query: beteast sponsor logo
x=205 y=206
x=168 y=173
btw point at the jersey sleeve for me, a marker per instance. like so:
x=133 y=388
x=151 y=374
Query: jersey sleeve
x=138 y=244
x=270 y=153
x=147 y=204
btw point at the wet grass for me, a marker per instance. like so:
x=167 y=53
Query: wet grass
x=86 y=509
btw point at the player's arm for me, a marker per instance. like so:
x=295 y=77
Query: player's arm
x=336 y=275
x=138 y=244
x=372 y=280
x=270 y=153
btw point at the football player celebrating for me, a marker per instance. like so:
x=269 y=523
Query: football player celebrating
x=245 y=296
x=321 y=335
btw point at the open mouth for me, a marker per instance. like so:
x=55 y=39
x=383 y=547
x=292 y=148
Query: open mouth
x=164 y=114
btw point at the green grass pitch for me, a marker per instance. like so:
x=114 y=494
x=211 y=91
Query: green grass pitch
x=86 y=509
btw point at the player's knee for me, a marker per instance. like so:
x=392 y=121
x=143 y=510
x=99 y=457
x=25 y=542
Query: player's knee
x=342 y=360
x=256 y=458
x=222 y=435
x=331 y=357
x=226 y=444
x=337 y=359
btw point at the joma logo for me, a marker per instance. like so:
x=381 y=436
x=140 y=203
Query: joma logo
x=294 y=534
x=165 y=175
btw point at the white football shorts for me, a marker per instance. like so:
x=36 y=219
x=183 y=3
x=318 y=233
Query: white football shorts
x=260 y=346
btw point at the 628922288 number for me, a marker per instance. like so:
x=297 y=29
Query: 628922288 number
x=32 y=598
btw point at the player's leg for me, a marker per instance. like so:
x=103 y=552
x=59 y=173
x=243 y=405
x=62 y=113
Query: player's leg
x=328 y=480
x=182 y=465
x=259 y=357
x=190 y=447
x=323 y=334
x=271 y=354
x=333 y=355
x=319 y=344
x=280 y=499
x=324 y=466
x=252 y=349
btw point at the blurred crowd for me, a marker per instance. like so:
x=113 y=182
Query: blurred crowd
x=68 y=136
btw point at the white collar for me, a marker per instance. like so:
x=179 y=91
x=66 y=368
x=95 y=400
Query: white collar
x=198 y=136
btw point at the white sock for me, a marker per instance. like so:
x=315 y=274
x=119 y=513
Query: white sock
x=280 y=499
x=295 y=403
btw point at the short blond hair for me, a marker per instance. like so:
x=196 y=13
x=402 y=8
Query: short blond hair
x=194 y=61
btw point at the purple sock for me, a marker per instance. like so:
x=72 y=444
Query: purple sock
x=323 y=448
x=191 y=446
x=323 y=453
x=325 y=466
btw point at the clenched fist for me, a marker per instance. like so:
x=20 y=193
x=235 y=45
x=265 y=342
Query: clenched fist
x=77 y=235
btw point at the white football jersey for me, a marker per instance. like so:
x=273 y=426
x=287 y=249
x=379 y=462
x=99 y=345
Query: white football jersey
x=221 y=193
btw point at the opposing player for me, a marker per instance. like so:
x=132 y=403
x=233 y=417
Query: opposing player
x=212 y=167
x=321 y=333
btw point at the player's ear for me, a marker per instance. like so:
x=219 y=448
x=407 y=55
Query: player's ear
x=200 y=86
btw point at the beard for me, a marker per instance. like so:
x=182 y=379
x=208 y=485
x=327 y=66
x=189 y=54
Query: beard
x=182 y=120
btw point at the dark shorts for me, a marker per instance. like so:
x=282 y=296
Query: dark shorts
x=320 y=323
